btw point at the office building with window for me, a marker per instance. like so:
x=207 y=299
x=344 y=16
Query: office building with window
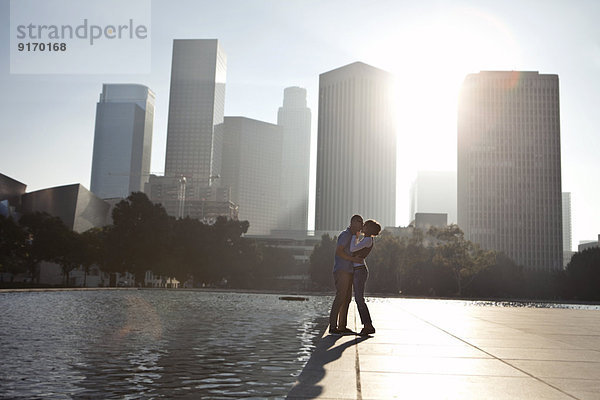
x=191 y=184
x=122 y=140
x=509 y=167
x=294 y=118
x=251 y=168
x=356 y=147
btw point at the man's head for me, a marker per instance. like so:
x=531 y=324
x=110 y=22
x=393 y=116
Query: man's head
x=356 y=223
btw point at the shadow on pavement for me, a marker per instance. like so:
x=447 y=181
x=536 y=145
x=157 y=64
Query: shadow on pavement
x=307 y=386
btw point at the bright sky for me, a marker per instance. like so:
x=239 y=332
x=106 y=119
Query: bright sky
x=47 y=121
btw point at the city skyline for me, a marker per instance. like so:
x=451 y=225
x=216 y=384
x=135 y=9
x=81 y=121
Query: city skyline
x=429 y=47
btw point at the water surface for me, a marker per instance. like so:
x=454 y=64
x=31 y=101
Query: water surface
x=154 y=344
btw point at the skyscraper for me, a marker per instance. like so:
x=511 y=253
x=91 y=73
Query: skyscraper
x=251 y=168
x=356 y=148
x=196 y=109
x=191 y=185
x=122 y=140
x=434 y=192
x=509 y=172
x=294 y=118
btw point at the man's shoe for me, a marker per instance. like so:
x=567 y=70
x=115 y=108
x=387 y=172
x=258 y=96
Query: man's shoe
x=367 y=330
x=335 y=331
x=346 y=331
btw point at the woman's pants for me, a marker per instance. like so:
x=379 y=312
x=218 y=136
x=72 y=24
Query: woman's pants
x=360 y=278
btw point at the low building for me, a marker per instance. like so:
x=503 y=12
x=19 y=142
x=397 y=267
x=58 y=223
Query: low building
x=424 y=221
x=588 y=244
x=52 y=274
x=159 y=281
x=76 y=206
x=300 y=243
x=187 y=197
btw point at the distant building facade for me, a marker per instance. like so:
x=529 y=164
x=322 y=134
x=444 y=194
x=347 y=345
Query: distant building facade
x=251 y=168
x=434 y=192
x=424 y=221
x=196 y=109
x=295 y=119
x=191 y=184
x=11 y=191
x=76 y=206
x=356 y=148
x=122 y=140
x=191 y=198
x=509 y=171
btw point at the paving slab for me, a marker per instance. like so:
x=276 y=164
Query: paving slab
x=428 y=349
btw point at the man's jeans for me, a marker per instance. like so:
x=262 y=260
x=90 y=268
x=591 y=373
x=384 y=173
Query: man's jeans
x=343 y=295
x=360 y=278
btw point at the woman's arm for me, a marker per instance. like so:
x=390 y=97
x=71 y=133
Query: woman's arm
x=356 y=245
x=339 y=251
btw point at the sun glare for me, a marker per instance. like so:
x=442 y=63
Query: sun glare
x=430 y=60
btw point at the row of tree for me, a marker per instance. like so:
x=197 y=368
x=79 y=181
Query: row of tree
x=143 y=237
x=443 y=263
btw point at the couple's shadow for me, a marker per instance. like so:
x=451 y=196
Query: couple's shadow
x=326 y=351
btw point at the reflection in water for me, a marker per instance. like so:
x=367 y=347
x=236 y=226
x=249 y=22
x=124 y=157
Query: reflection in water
x=153 y=344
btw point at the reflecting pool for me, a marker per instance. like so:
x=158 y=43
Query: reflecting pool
x=155 y=343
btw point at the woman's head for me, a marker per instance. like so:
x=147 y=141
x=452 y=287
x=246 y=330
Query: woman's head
x=371 y=228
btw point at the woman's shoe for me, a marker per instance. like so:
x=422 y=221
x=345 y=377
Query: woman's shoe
x=367 y=330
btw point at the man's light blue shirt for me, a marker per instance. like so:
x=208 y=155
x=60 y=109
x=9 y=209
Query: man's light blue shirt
x=340 y=264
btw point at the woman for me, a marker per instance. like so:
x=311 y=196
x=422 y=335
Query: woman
x=361 y=247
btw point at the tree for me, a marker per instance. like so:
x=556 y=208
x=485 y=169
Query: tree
x=12 y=246
x=584 y=274
x=230 y=256
x=69 y=245
x=385 y=264
x=272 y=262
x=91 y=250
x=503 y=279
x=139 y=238
x=321 y=261
x=461 y=257
x=44 y=236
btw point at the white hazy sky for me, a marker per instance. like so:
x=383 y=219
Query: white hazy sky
x=47 y=121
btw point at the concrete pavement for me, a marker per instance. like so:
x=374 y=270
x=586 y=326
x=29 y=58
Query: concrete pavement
x=431 y=349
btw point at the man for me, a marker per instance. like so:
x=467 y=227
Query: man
x=343 y=274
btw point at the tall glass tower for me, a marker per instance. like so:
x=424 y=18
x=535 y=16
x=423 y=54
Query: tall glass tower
x=356 y=148
x=122 y=140
x=190 y=186
x=509 y=171
x=196 y=110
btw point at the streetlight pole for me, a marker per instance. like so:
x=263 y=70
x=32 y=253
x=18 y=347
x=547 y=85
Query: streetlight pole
x=181 y=197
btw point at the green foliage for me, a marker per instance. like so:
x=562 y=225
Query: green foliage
x=45 y=242
x=462 y=258
x=321 y=262
x=12 y=246
x=584 y=274
x=139 y=238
